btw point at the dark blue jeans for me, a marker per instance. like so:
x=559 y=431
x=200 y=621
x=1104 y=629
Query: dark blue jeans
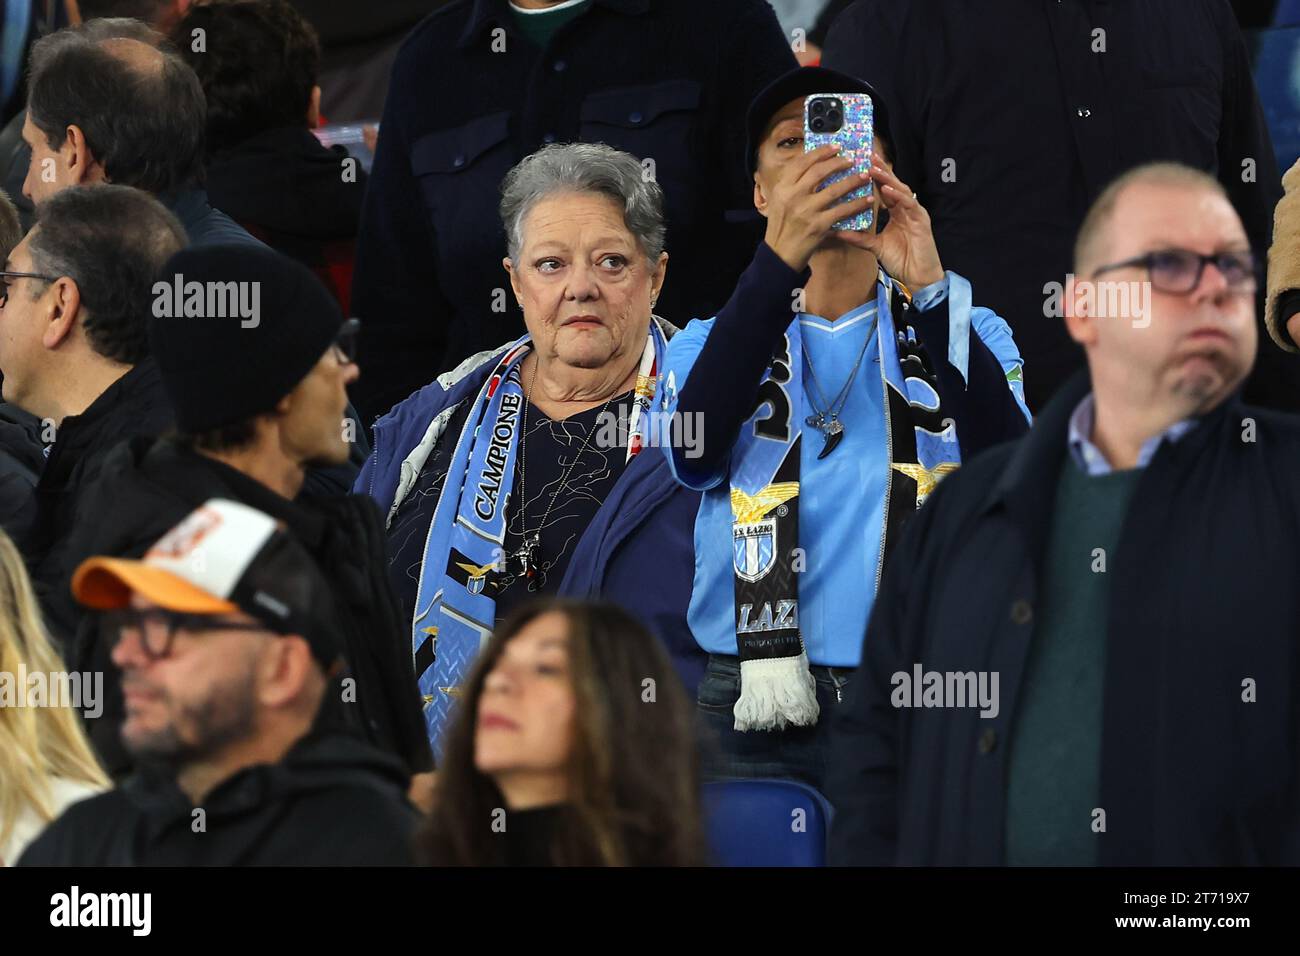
x=795 y=753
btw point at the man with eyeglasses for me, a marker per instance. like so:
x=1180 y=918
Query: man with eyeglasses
x=226 y=638
x=259 y=400
x=1084 y=650
x=74 y=352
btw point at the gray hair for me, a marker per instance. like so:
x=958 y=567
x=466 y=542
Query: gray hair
x=93 y=33
x=585 y=168
x=113 y=242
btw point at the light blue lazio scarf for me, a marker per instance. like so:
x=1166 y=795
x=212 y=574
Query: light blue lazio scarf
x=464 y=555
x=777 y=686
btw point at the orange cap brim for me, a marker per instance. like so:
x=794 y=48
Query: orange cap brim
x=107 y=583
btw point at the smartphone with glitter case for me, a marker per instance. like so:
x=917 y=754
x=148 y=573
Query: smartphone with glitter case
x=844 y=118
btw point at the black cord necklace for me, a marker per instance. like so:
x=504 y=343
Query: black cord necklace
x=531 y=565
x=828 y=421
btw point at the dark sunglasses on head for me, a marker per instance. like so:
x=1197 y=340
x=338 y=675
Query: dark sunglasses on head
x=345 y=343
x=1178 y=271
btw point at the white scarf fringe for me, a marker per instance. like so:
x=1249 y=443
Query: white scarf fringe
x=774 y=692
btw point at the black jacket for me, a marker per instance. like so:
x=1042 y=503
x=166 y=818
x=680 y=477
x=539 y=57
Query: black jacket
x=290 y=191
x=1008 y=119
x=332 y=801
x=1202 y=596
x=22 y=456
x=668 y=80
x=204 y=225
x=153 y=485
x=357 y=53
x=133 y=405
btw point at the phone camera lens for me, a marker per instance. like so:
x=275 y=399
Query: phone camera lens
x=819 y=106
x=818 y=124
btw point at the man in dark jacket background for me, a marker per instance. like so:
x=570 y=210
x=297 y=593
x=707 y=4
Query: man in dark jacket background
x=1084 y=651
x=259 y=66
x=1011 y=117
x=106 y=104
x=74 y=350
x=358 y=51
x=225 y=637
x=480 y=84
x=258 y=401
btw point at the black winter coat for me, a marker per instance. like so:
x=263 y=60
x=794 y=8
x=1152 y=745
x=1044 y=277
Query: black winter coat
x=22 y=458
x=1203 y=597
x=154 y=485
x=332 y=801
x=66 y=505
x=290 y=191
x=133 y=405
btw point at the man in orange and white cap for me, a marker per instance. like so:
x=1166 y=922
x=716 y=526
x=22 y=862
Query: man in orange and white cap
x=225 y=647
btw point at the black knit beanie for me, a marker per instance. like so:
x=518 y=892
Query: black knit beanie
x=234 y=329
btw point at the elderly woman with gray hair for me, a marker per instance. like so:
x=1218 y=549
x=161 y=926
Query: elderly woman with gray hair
x=519 y=473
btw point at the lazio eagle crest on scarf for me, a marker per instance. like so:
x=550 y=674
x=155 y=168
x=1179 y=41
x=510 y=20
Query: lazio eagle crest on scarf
x=777 y=685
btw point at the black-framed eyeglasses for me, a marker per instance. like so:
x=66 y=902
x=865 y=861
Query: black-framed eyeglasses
x=6 y=276
x=1179 y=271
x=345 y=343
x=157 y=627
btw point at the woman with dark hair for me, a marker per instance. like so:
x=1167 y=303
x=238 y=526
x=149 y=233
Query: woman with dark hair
x=572 y=745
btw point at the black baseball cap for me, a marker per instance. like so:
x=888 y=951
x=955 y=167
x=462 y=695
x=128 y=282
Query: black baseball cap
x=799 y=82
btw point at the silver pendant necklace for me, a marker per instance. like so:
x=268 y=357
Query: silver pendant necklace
x=827 y=420
x=528 y=556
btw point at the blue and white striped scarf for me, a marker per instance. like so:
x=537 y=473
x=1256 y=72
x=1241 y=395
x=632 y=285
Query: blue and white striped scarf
x=464 y=555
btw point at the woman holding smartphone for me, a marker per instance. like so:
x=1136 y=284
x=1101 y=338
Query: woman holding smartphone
x=823 y=430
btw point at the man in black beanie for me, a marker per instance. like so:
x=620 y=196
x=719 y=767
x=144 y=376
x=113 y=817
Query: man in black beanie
x=256 y=358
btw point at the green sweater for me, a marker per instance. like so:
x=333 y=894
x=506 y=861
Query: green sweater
x=1055 y=760
x=540 y=25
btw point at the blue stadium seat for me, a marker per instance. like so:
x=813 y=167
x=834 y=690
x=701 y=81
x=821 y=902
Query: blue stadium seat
x=766 y=823
x=1276 y=58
